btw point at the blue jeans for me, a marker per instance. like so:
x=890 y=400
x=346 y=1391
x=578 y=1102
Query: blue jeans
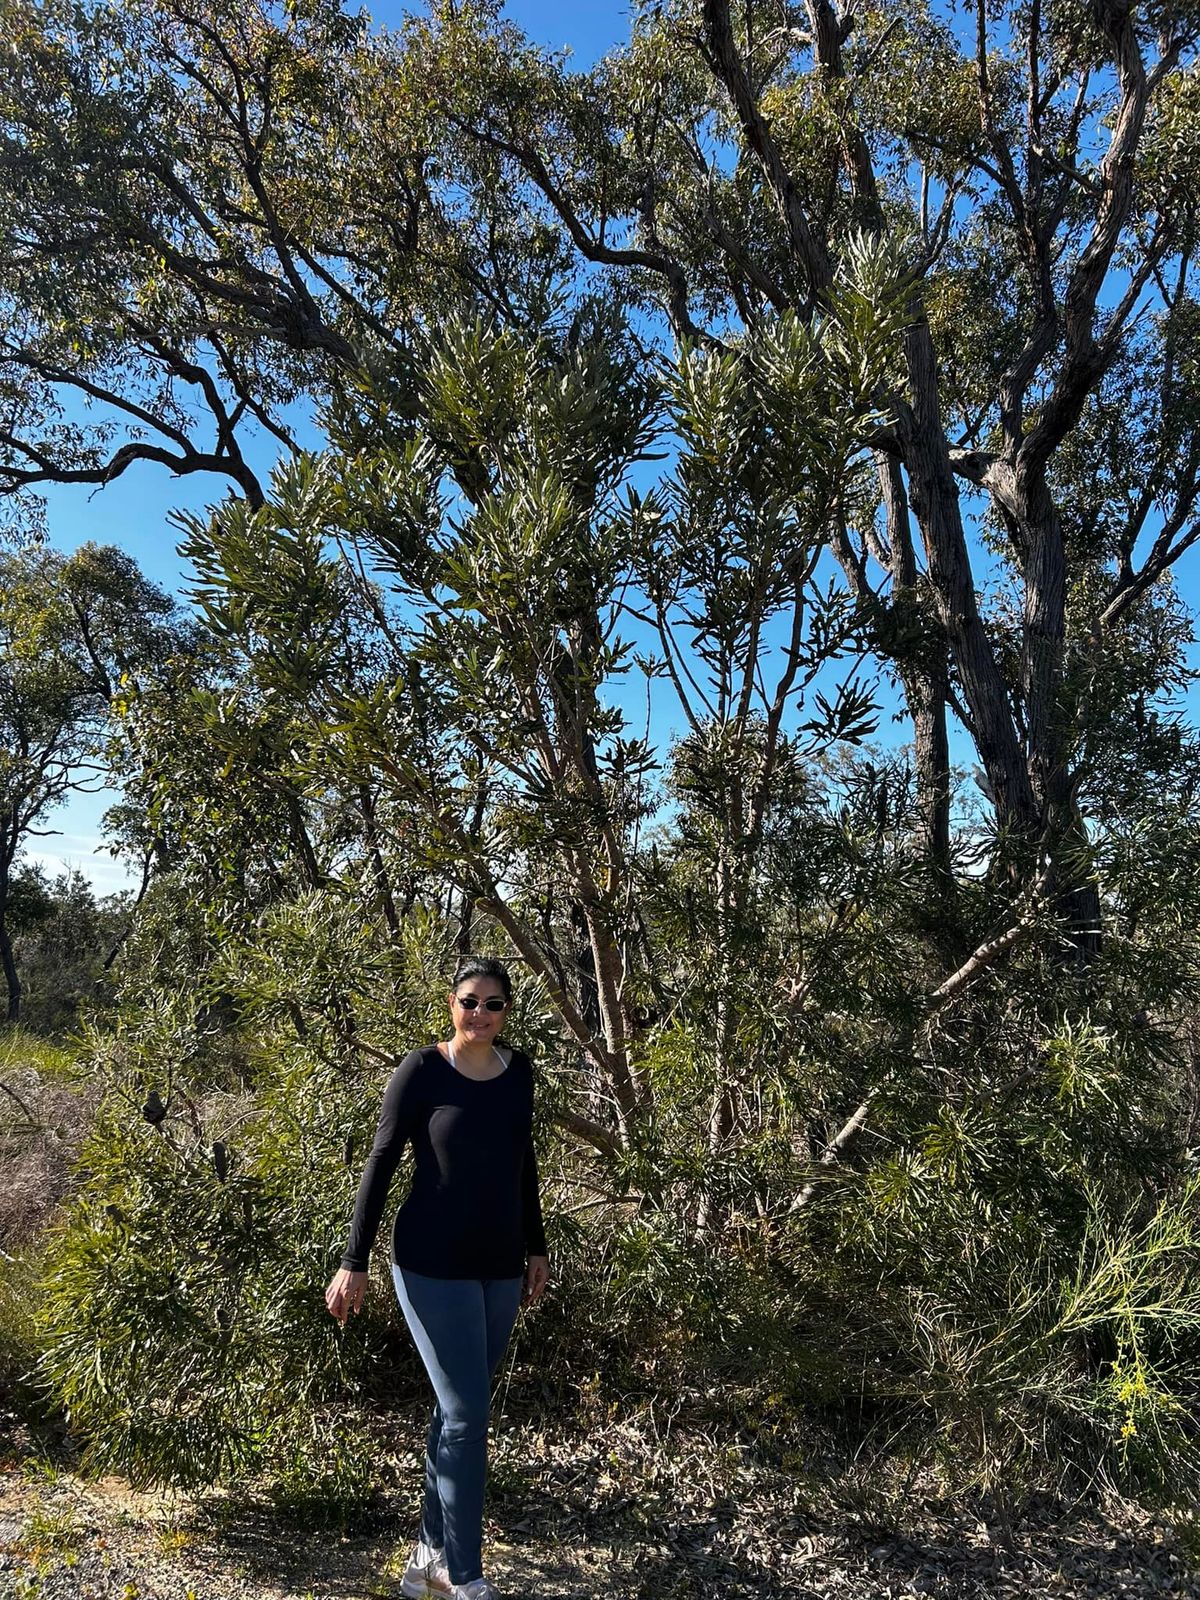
x=461 y=1327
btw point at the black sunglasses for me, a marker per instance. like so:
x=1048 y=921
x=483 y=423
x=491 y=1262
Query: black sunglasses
x=469 y=1001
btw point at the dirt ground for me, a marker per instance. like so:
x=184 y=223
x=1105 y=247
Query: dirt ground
x=625 y=1516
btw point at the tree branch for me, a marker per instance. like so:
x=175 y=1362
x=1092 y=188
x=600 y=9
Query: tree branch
x=983 y=957
x=721 y=54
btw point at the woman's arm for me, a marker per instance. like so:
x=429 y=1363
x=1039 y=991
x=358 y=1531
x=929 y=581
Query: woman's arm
x=531 y=1204
x=345 y=1290
x=344 y=1293
x=395 y=1125
x=537 y=1268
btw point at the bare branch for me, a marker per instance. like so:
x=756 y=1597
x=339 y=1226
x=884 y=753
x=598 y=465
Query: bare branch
x=721 y=54
x=1085 y=358
x=49 y=471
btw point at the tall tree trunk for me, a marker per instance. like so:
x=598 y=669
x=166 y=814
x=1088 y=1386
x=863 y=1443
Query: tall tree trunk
x=585 y=969
x=11 y=976
x=720 y=1114
x=925 y=694
x=1076 y=891
x=925 y=688
x=1042 y=652
x=936 y=506
x=596 y=886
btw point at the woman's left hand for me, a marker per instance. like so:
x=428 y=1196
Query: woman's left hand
x=537 y=1275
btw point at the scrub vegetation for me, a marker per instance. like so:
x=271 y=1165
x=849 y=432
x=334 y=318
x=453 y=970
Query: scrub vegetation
x=720 y=555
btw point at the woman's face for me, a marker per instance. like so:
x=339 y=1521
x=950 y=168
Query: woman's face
x=477 y=1023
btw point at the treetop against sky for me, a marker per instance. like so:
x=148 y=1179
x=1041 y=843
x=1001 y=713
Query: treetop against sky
x=921 y=154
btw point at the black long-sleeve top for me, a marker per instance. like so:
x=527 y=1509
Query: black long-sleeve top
x=473 y=1210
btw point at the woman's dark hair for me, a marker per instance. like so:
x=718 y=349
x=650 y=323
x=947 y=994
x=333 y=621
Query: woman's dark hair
x=483 y=967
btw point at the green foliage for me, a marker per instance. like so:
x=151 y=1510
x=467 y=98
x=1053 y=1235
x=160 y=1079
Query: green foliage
x=1024 y=1347
x=405 y=736
x=62 y=936
x=72 y=631
x=20 y=1288
x=183 y=1323
x=823 y=1110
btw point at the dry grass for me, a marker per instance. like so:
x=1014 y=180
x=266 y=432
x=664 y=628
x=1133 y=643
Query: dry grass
x=44 y=1117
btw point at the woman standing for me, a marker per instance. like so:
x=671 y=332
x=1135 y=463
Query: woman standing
x=468 y=1251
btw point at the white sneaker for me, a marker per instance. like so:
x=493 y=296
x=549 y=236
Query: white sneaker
x=427 y=1576
x=477 y=1589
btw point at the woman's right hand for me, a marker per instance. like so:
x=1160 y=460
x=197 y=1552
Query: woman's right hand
x=345 y=1293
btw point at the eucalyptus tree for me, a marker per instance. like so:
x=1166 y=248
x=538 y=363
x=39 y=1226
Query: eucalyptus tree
x=256 y=204
x=212 y=212
x=1045 y=200
x=72 y=628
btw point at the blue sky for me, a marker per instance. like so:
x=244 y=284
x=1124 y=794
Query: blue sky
x=133 y=511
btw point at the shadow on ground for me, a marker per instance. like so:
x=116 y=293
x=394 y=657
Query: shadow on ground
x=577 y=1520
